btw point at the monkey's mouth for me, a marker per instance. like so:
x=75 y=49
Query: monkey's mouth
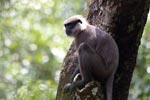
x=68 y=32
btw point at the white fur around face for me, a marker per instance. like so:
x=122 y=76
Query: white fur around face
x=76 y=29
x=72 y=18
x=83 y=26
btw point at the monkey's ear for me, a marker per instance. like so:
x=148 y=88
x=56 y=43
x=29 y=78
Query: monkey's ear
x=79 y=21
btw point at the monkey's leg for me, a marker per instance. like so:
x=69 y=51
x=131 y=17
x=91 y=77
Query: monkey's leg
x=85 y=63
x=75 y=73
x=67 y=86
x=78 y=84
x=85 y=53
x=86 y=77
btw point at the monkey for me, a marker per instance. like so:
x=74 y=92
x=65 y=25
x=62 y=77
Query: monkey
x=98 y=54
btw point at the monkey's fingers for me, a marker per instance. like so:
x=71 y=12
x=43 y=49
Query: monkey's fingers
x=67 y=88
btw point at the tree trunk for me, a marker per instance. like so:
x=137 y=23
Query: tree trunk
x=125 y=21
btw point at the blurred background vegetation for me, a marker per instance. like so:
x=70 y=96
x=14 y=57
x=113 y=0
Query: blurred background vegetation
x=33 y=45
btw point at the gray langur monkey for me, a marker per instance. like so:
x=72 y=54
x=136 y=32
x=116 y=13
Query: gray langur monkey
x=98 y=54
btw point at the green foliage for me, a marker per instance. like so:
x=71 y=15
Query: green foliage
x=36 y=90
x=32 y=46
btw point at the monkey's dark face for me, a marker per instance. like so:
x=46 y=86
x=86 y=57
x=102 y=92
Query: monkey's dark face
x=73 y=28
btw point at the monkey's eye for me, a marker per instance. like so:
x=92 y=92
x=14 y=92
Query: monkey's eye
x=68 y=24
x=72 y=24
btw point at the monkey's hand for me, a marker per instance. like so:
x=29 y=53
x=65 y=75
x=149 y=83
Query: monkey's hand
x=67 y=87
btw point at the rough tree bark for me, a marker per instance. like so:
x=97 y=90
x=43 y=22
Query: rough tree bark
x=125 y=21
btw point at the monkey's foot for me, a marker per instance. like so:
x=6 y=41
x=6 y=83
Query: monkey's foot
x=67 y=87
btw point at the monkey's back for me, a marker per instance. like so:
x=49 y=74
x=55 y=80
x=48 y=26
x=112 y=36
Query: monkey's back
x=107 y=48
